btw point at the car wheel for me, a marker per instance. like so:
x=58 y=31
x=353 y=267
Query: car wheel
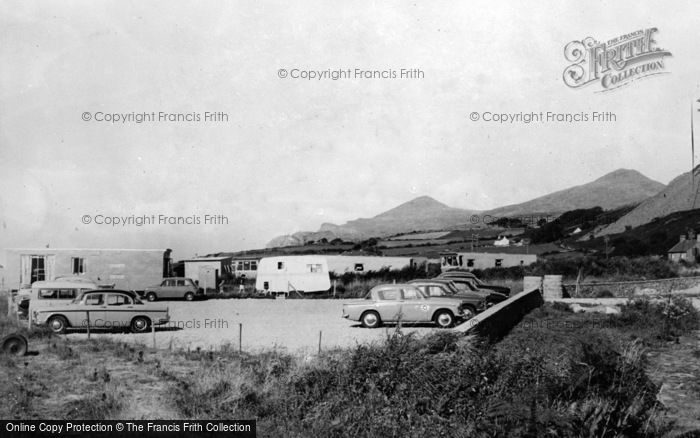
x=58 y=324
x=14 y=345
x=140 y=324
x=468 y=312
x=189 y=296
x=151 y=296
x=444 y=319
x=371 y=320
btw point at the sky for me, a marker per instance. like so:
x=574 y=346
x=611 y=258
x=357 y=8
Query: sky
x=294 y=153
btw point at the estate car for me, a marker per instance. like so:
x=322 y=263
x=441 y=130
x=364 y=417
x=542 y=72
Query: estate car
x=103 y=309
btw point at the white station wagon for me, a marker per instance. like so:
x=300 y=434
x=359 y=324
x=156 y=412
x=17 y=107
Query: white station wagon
x=103 y=309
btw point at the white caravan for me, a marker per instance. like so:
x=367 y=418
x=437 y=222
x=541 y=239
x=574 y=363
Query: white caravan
x=304 y=274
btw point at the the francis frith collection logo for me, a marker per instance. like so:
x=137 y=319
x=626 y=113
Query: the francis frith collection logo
x=616 y=62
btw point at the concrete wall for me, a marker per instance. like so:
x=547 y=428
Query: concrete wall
x=497 y=321
x=125 y=268
x=626 y=289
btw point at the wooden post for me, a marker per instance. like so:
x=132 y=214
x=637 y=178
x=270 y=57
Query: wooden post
x=240 y=337
x=320 y=335
x=87 y=312
x=153 y=330
x=9 y=304
x=334 y=282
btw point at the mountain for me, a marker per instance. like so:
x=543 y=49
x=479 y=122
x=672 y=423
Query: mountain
x=420 y=214
x=615 y=189
x=677 y=196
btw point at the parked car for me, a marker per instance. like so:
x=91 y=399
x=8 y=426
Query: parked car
x=467 y=285
x=54 y=293
x=474 y=302
x=174 y=287
x=406 y=303
x=108 y=309
x=476 y=282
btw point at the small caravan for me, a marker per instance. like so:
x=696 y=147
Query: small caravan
x=285 y=274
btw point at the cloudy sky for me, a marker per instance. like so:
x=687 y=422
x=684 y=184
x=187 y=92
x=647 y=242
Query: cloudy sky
x=296 y=153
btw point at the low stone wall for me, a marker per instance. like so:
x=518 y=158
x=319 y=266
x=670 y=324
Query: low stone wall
x=494 y=323
x=626 y=289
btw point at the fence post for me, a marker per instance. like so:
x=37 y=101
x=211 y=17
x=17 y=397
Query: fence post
x=334 y=282
x=87 y=312
x=9 y=304
x=240 y=337
x=320 y=335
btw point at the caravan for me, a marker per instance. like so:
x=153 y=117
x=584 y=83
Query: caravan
x=293 y=273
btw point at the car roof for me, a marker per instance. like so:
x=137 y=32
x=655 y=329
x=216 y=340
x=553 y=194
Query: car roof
x=392 y=286
x=63 y=284
x=456 y=272
x=127 y=292
x=439 y=281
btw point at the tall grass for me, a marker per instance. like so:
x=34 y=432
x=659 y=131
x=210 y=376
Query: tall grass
x=555 y=374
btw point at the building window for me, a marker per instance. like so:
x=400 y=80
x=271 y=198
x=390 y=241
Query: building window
x=246 y=266
x=254 y=265
x=38 y=269
x=78 y=264
x=314 y=268
x=359 y=267
x=499 y=263
x=470 y=263
x=280 y=265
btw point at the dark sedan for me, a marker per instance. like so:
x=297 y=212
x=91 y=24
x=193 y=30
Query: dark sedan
x=474 y=280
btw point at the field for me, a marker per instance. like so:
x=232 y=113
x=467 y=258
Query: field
x=292 y=325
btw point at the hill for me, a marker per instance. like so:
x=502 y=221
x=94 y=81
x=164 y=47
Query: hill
x=653 y=238
x=615 y=189
x=677 y=196
x=420 y=214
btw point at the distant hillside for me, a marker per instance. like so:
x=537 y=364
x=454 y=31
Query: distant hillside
x=616 y=189
x=655 y=237
x=677 y=196
x=420 y=214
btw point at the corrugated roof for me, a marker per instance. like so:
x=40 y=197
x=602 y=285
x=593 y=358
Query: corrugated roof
x=683 y=246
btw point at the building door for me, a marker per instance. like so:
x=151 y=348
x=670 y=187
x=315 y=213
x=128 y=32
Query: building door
x=38 y=268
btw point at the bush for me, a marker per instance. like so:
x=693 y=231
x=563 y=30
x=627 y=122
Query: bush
x=654 y=320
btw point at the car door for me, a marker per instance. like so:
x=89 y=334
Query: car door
x=389 y=304
x=119 y=309
x=94 y=305
x=414 y=306
x=180 y=288
x=168 y=289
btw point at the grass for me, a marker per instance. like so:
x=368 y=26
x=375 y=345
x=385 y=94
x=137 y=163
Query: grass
x=556 y=374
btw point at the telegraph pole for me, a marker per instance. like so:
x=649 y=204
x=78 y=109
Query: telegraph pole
x=692 y=149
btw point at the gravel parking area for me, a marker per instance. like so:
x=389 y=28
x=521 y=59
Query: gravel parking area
x=293 y=325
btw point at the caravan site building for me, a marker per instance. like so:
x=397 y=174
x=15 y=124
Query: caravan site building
x=130 y=269
x=484 y=260
x=207 y=271
x=340 y=264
